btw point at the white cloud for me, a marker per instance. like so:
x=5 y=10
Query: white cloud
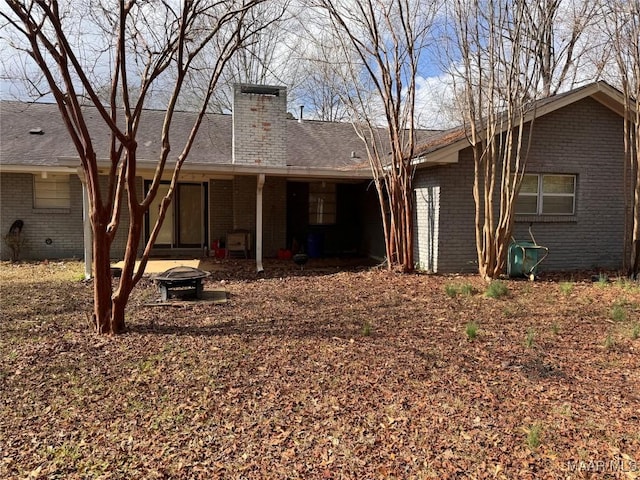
x=435 y=106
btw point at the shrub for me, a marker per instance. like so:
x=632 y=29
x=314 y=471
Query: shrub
x=531 y=336
x=472 y=330
x=566 y=288
x=367 y=329
x=609 y=342
x=451 y=290
x=533 y=436
x=496 y=289
x=618 y=313
x=467 y=289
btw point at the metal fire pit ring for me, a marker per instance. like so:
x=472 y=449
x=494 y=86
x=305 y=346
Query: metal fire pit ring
x=181 y=280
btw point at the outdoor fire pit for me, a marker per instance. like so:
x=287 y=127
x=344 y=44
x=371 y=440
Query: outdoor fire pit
x=181 y=281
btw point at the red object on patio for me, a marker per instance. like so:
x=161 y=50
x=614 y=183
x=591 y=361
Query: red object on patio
x=284 y=254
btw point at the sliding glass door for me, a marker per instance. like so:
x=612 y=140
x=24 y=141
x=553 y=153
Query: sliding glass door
x=184 y=224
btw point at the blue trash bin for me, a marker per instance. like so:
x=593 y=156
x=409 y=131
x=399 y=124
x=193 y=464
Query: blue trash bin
x=315 y=245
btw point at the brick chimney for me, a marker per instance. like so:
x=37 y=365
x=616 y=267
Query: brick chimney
x=259 y=125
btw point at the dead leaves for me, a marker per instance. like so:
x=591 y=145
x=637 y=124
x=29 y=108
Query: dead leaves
x=281 y=382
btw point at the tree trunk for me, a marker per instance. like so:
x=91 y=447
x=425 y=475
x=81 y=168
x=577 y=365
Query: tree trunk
x=101 y=282
x=118 y=305
x=129 y=278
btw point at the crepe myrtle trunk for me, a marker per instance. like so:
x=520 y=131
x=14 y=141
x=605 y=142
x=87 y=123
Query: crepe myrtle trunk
x=102 y=306
x=110 y=305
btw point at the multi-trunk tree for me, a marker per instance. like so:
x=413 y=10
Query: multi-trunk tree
x=505 y=56
x=111 y=56
x=622 y=26
x=383 y=42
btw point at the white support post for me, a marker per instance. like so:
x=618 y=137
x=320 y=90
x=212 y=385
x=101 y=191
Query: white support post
x=259 y=266
x=86 y=221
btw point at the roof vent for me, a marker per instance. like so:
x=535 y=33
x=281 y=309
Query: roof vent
x=36 y=131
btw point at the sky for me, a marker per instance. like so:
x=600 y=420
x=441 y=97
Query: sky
x=434 y=98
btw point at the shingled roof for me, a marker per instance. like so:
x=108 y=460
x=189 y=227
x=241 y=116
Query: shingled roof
x=310 y=144
x=456 y=139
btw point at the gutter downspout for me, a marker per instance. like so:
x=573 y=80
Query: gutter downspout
x=87 y=233
x=259 y=266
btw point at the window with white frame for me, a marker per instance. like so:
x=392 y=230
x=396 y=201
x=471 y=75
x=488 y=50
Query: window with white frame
x=322 y=203
x=547 y=194
x=51 y=191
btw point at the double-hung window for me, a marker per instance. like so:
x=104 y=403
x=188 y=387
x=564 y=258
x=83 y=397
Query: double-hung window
x=51 y=191
x=547 y=194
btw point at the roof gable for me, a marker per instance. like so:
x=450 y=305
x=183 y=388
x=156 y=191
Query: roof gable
x=443 y=148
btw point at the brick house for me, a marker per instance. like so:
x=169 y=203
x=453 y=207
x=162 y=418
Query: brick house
x=309 y=181
x=571 y=196
x=281 y=182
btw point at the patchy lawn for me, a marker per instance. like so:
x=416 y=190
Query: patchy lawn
x=361 y=374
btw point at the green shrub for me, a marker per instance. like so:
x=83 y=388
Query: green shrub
x=467 y=289
x=496 y=289
x=533 y=436
x=618 y=313
x=454 y=290
x=472 y=330
x=566 y=288
x=603 y=280
x=451 y=290
x=529 y=339
x=609 y=342
x=367 y=329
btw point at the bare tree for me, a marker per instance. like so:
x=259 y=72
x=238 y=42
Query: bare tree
x=325 y=79
x=556 y=29
x=144 y=41
x=385 y=39
x=497 y=79
x=267 y=58
x=622 y=24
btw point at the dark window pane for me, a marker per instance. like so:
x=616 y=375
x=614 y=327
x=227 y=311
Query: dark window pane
x=558 y=184
x=529 y=184
x=557 y=205
x=527 y=205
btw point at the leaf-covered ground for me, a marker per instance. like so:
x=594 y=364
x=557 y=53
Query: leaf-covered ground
x=322 y=374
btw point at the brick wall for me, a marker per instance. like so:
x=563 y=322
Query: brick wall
x=220 y=209
x=587 y=141
x=259 y=126
x=64 y=227
x=584 y=139
x=274 y=211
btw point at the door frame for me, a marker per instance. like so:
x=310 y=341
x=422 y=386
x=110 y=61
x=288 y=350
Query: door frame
x=175 y=205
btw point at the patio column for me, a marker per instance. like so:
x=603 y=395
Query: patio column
x=86 y=223
x=261 y=179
